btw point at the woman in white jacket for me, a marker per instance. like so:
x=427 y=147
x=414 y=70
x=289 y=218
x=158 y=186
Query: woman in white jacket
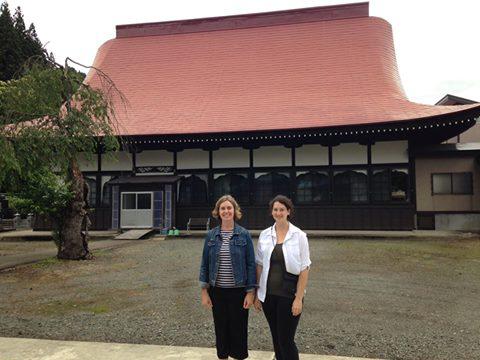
x=283 y=261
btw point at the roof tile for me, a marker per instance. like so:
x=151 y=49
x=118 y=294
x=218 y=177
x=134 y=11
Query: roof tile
x=300 y=75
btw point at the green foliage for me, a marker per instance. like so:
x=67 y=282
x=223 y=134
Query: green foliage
x=44 y=193
x=42 y=91
x=47 y=263
x=47 y=118
x=17 y=43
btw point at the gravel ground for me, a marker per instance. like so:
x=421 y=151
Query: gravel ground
x=8 y=248
x=392 y=299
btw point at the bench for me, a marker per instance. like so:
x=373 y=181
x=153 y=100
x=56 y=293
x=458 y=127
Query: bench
x=7 y=224
x=198 y=224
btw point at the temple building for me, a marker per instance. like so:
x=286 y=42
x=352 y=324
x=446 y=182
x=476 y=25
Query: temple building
x=307 y=103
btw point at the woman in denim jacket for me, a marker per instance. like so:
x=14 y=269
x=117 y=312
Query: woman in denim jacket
x=228 y=279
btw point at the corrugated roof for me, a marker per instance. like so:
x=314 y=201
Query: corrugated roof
x=282 y=76
x=454 y=100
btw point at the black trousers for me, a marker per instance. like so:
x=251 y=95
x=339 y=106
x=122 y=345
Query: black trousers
x=283 y=325
x=231 y=322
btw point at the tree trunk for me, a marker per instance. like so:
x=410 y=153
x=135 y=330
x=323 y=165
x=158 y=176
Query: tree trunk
x=73 y=244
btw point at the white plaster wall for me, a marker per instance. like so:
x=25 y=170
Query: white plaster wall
x=349 y=154
x=231 y=158
x=192 y=159
x=272 y=156
x=118 y=161
x=469 y=222
x=88 y=164
x=311 y=155
x=154 y=158
x=471 y=135
x=390 y=152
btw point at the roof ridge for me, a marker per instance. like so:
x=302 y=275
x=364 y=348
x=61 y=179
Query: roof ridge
x=282 y=17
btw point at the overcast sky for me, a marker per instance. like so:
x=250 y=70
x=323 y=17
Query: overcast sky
x=437 y=41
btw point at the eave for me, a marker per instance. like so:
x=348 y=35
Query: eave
x=425 y=131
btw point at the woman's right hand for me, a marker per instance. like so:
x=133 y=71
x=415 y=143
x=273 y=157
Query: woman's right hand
x=206 y=301
x=257 y=304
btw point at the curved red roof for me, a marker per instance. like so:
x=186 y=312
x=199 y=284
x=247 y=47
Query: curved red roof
x=290 y=75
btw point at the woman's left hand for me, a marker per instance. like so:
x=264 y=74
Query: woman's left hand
x=248 y=300
x=297 y=307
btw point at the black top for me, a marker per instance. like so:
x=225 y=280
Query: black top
x=276 y=274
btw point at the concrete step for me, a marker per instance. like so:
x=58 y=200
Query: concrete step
x=36 y=349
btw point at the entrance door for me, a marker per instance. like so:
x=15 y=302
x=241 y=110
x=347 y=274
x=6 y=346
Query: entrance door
x=136 y=210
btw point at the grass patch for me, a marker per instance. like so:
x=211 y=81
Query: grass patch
x=450 y=249
x=409 y=255
x=99 y=309
x=45 y=263
x=62 y=307
x=418 y=249
x=95 y=303
x=100 y=252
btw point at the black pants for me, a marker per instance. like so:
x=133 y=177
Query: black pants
x=231 y=322
x=283 y=325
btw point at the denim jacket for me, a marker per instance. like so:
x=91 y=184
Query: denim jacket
x=242 y=255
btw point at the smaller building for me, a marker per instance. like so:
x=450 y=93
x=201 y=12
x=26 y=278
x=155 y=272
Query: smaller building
x=448 y=179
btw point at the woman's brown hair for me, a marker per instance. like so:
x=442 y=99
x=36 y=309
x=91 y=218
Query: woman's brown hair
x=237 y=211
x=282 y=199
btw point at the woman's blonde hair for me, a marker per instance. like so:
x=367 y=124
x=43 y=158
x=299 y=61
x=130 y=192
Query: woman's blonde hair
x=237 y=215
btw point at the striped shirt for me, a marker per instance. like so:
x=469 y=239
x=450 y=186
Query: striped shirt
x=225 y=276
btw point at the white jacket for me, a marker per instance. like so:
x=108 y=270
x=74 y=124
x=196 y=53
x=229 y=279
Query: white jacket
x=295 y=251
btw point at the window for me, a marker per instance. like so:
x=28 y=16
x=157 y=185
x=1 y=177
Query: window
x=136 y=201
x=452 y=183
x=144 y=201
x=232 y=184
x=350 y=186
x=92 y=192
x=389 y=185
x=399 y=190
x=312 y=187
x=267 y=185
x=381 y=185
x=462 y=183
x=193 y=190
x=129 y=201
x=107 y=194
x=442 y=183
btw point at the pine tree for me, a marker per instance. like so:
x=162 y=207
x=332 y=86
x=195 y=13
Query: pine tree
x=9 y=44
x=17 y=43
x=30 y=44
